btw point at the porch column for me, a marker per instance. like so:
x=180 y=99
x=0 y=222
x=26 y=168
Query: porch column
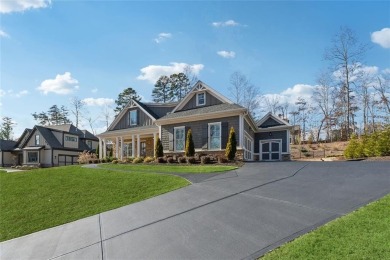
x=138 y=146
x=100 y=148
x=154 y=144
x=116 y=147
x=104 y=148
x=132 y=146
x=121 y=153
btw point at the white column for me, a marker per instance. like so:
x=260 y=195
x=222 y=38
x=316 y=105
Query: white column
x=132 y=146
x=138 y=146
x=154 y=144
x=122 y=145
x=100 y=148
x=116 y=147
x=104 y=148
x=241 y=131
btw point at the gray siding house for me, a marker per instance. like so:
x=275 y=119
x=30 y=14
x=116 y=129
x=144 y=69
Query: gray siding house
x=209 y=115
x=49 y=146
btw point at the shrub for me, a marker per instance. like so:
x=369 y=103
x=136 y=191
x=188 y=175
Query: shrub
x=354 y=149
x=205 y=160
x=86 y=157
x=114 y=161
x=171 y=160
x=148 y=159
x=138 y=160
x=159 y=148
x=191 y=160
x=231 y=147
x=181 y=160
x=129 y=159
x=190 y=148
x=161 y=160
x=103 y=160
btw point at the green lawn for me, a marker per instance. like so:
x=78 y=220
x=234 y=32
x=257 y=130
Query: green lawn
x=363 y=234
x=38 y=199
x=168 y=168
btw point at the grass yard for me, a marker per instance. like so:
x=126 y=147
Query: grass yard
x=363 y=234
x=167 y=168
x=38 y=199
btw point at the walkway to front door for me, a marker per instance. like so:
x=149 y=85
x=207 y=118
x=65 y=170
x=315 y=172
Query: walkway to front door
x=270 y=150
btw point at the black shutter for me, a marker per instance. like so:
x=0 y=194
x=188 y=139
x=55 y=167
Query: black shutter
x=224 y=134
x=205 y=136
x=138 y=115
x=170 y=139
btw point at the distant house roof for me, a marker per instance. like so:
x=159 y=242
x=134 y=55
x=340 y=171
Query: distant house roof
x=71 y=129
x=203 y=110
x=7 y=145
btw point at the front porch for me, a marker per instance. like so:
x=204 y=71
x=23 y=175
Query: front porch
x=129 y=143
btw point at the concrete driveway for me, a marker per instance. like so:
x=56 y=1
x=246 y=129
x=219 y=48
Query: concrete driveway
x=240 y=214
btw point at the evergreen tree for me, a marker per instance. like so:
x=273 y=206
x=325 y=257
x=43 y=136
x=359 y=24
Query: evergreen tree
x=162 y=92
x=159 y=148
x=190 y=148
x=124 y=98
x=6 y=128
x=180 y=85
x=54 y=116
x=231 y=147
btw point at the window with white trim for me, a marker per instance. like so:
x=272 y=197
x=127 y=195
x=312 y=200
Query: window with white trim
x=179 y=138
x=133 y=117
x=201 y=99
x=89 y=143
x=215 y=136
x=32 y=157
x=36 y=139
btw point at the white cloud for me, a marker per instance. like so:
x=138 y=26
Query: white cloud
x=162 y=37
x=151 y=73
x=98 y=101
x=94 y=90
x=11 y=93
x=62 y=85
x=3 y=34
x=381 y=37
x=299 y=90
x=225 y=24
x=9 y=6
x=227 y=54
x=386 y=71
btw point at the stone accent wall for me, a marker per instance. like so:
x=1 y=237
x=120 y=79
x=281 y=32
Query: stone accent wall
x=149 y=146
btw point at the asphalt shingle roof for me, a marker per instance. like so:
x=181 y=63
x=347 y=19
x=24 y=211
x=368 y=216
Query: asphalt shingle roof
x=203 y=110
x=7 y=145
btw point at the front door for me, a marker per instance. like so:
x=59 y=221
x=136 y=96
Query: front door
x=270 y=150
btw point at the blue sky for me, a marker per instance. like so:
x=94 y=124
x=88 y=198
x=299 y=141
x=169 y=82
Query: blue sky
x=54 y=50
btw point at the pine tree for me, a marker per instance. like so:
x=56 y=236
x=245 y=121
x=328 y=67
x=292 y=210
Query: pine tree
x=159 y=148
x=162 y=90
x=190 y=148
x=6 y=128
x=124 y=98
x=180 y=85
x=231 y=147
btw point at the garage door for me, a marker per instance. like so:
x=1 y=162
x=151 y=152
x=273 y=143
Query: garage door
x=270 y=150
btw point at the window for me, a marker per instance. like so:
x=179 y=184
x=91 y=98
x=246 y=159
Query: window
x=37 y=140
x=200 y=99
x=128 y=150
x=89 y=143
x=70 y=138
x=179 y=134
x=143 y=149
x=133 y=117
x=215 y=136
x=32 y=157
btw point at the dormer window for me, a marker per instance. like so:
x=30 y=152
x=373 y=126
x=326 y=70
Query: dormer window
x=201 y=99
x=36 y=139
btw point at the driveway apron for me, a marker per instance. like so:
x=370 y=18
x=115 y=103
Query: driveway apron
x=238 y=215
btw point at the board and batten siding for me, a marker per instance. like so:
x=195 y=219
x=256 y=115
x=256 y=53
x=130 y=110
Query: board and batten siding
x=249 y=130
x=200 y=132
x=274 y=135
x=143 y=120
x=210 y=101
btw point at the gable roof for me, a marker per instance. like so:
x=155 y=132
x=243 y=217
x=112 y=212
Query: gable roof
x=22 y=139
x=200 y=86
x=7 y=145
x=71 y=129
x=283 y=124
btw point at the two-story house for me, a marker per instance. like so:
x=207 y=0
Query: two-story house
x=209 y=115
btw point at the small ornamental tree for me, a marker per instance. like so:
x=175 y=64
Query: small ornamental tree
x=231 y=147
x=354 y=148
x=159 y=148
x=190 y=148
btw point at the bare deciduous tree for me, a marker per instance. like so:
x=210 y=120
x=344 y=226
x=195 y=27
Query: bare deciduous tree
x=244 y=92
x=271 y=104
x=77 y=109
x=346 y=54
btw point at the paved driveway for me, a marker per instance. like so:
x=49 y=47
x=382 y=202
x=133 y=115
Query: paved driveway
x=240 y=214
